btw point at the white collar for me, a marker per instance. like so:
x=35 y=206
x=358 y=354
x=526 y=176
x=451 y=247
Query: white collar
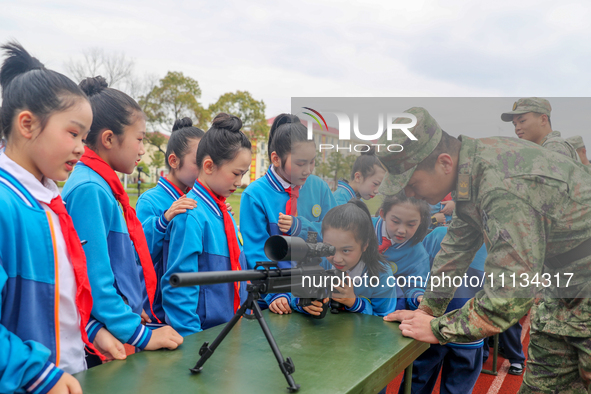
x=283 y=183
x=42 y=192
x=357 y=270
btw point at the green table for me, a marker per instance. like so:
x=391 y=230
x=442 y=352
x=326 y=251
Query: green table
x=343 y=353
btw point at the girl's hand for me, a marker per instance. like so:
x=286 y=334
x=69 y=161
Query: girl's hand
x=284 y=222
x=280 y=306
x=145 y=318
x=179 y=206
x=420 y=299
x=346 y=295
x=316 y=307
x=440 y=217
x=67 y=384
x=229 y=208
x=164 y=337
x=448 y=207
x=109 y=346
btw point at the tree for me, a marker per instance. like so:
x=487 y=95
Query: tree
x=244 y=106
x=157 y=140
x=340 y=165
x=157 y=160
x=116 y=68
x=174 y=97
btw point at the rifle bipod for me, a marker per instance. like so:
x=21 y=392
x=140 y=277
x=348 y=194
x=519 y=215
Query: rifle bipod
x=286 y=365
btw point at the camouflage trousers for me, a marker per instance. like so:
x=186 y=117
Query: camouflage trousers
x=557 y=364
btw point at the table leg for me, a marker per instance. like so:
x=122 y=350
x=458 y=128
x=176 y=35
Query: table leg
x=408 y=379
x=495 y=356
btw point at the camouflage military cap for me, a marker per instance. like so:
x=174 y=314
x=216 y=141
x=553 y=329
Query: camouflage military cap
x=525 y=105
x=576 y=141
x=401 y=165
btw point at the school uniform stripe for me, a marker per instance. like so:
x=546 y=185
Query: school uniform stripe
x=207 y=200
x=162 y=224
x=274 y=182
x=44 y=380
x=169 y=189
x=345 y=186
x=19 y=189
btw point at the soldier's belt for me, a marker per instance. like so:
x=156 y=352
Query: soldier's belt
x=564 y=259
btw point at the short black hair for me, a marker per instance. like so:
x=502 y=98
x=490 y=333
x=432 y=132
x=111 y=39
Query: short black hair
x=182 y=132
x=285 y=130
x=223 y=140
x=28 y=85
x=111 y=109
x=447 y=144
x=424 y=212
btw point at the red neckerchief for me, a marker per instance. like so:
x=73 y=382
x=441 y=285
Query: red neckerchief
x=134 y=226
x=291 y=208
x=78 y=259
x=386 y=243
x=232 y=241
x=179 y=191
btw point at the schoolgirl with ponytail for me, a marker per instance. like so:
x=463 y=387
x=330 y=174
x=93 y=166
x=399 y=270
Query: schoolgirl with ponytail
x=288 y=200
x=206 y=238
x=45 y=296
x=101 y=212
x=366 y=177
x=158 y=206
x=368 y=286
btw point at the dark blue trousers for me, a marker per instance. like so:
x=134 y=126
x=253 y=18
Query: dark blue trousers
x=460 y=368
x=510 y=340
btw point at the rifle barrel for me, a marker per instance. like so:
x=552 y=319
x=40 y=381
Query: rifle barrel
x=213 y=277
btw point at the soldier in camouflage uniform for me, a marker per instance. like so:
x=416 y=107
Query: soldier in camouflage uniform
x=532 y=209
x=531 y=118
x=579 y=145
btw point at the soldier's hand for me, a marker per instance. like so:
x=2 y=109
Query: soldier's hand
x=280 y=306
x=414 y=324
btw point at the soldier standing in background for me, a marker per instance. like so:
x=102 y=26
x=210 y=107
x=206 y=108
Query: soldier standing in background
x=532 y=209
x=531 y=118
x=579 y=145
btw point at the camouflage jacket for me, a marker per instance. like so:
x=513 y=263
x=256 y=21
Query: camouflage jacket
x=556 y=143
x=525 y=204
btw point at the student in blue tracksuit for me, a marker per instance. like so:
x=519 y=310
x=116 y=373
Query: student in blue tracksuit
x=288 y=199
x=93 y=195
x=366 y=177
x=400 y=228
x=158 y=206
x=460 y=363
x=45 y=297
x=369 y=287
x=206 y=238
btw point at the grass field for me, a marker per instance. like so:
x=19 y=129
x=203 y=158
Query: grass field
x=373 y=205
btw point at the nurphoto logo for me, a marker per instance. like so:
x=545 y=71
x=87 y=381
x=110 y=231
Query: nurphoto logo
x=385 y=124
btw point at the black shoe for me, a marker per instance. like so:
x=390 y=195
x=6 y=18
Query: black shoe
x=515 y=369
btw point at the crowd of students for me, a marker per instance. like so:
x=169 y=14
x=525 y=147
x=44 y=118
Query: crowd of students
x=83 y=276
